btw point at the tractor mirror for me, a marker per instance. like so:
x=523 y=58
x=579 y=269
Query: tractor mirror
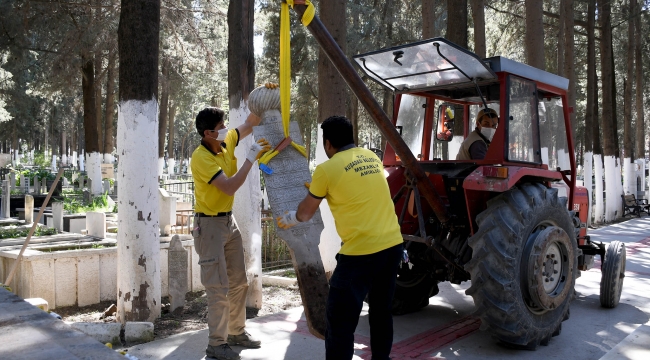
x=445 y=123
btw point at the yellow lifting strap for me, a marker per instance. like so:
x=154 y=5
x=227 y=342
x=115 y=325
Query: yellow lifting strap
x=285 y=73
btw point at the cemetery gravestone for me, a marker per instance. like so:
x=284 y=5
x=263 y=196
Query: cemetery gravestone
x=96 y=224
x=29 y=209
x=177 y=268
x=57 y=216
x=6 y=195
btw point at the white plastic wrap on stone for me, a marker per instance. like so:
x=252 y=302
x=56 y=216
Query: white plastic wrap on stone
x=138 y=252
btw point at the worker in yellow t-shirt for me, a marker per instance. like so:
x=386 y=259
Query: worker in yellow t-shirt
x=216 y=237
x=353 y=182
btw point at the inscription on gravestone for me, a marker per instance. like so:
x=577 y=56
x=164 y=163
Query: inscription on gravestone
x=285 y=189
x=177 y=269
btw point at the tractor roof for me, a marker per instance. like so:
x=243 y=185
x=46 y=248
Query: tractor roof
x=440 y=64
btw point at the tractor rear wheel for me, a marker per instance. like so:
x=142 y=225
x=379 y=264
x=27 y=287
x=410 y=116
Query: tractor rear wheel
x=613 y=273
x=523 y=266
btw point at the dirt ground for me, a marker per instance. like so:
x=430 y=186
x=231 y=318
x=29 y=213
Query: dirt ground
x=193 y=316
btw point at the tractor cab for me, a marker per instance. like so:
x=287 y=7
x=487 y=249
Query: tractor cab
x=440 y=88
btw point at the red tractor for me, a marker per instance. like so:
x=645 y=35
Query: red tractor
x=515 y=222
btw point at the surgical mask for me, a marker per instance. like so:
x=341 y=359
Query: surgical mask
x=488 y=132
x=221 y=134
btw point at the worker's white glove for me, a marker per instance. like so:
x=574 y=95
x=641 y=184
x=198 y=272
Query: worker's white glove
x=287 y=220
x=257 y=149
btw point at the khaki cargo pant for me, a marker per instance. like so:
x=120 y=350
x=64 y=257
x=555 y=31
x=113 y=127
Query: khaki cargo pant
x=223 y=273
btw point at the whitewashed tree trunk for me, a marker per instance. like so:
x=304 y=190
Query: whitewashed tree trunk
x=138 y=283
x=619 y=189
x=161 y=166
x=640 y=174
x=94 y=171
x=588 y=172
x=170 y=166
x=246 y=210
x=82 y=166
x=611 y=188
x=629 y=178
x=109 y=159
x=599 y=209
x=330 y=241
x=545 y=155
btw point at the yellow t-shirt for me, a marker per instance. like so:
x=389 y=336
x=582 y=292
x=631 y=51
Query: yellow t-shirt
x=206 y=166
x=356 y=190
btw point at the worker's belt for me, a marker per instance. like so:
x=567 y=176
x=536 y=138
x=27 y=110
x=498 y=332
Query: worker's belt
x=217 y=215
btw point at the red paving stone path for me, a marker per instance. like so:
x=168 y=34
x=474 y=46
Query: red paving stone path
x=421 y=346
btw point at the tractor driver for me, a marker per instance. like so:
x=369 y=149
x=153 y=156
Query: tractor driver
x=476 y=145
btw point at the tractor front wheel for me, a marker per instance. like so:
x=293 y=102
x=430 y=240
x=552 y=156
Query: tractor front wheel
x=414 y=285
x=613 y=273
x=523 y=266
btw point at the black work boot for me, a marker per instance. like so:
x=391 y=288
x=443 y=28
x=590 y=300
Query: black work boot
x=221 y=352
x=245 y=340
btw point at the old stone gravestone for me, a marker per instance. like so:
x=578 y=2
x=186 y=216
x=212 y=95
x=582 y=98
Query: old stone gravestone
x=29 y=209
x=285 y=188
x=6 y=195
x=177 y=267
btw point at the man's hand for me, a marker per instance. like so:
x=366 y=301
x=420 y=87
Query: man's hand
x=270 y=85
x=287 y=220
x=307 y=185
x=257 y=149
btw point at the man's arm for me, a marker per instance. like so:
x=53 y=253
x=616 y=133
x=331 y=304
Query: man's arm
x=307 y=208
x=246 y=128
x=230 y=185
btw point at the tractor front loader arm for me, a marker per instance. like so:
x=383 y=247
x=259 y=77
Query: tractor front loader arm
x=361 y=91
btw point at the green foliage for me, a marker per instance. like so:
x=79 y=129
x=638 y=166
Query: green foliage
x=23 y=232
x=73 y=205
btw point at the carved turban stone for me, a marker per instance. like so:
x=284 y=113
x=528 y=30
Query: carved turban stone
x=262 y=99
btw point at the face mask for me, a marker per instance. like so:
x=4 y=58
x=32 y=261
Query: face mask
x=488 y=132
x=221 y=134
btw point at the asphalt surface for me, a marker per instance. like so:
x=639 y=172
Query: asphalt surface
x=446 y=328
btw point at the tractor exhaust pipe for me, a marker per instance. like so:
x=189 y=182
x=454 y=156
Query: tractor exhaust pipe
x=359 y=88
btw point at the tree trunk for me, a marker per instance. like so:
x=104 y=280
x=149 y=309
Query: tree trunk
x=569 y=61
x=170 y=142
x=560 y=37
x=591 y=107
x=138 y=247
x=331 y=87
x=478 y=15
x=534 y=40
x=109 y=118
x=457 y=33
x=98 y=101
x=162 y=116
x=429 y=29
x=241 y=80
x=609 y=134
x=92 y=164
x=628 y=84
x=640 y=123
x=332 y=93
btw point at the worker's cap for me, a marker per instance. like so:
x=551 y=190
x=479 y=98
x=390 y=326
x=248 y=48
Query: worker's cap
x=491 y=113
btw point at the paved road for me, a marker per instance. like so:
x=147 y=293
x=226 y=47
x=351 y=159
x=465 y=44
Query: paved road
x=446 y=330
